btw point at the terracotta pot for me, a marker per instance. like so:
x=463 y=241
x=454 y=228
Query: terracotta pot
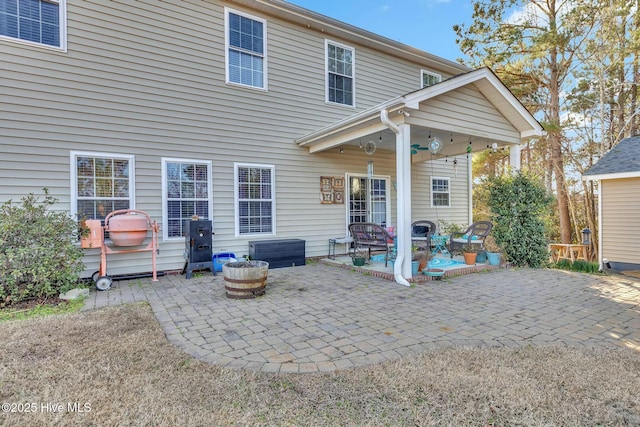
x=423 y=264
x=470 y=258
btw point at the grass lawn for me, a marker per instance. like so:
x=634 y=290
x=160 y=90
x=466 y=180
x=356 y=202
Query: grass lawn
x=117 y=367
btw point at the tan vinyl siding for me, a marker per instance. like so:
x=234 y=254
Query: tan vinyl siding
x=620 y=228
x=466 y=110
x=147 y=78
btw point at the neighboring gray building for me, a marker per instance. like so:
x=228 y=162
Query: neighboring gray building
x=234 y=110
x=618 y=176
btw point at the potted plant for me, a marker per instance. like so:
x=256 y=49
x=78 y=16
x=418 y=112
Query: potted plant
x=359 y=257
x=470 y=253
x=419 y=259
x=493 y=250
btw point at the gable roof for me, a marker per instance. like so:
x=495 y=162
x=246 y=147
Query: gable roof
x=365 y=122
x=623 y=161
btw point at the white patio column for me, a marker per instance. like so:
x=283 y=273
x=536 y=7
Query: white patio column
x=403 y=179
x=402 y=267
x=514 y=156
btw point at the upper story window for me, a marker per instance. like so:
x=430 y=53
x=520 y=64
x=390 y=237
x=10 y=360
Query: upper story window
x=440 y=192
x=101 y=184
x=340 y=74
x=186 y=192
x=429 y=79
x=246 y=49
x=34 y=21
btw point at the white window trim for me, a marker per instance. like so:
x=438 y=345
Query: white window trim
x=74 y=176
x=445 y=178
x=422 y=74
x=165 y=213
x=62 y=18
x=236 y=200
x=265 y=61
x=327 y=42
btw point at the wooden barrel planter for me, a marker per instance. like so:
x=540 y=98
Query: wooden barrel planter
x=245 y=279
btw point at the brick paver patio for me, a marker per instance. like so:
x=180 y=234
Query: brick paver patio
x=323 y=318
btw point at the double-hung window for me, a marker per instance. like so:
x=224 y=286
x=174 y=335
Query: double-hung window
x=255 y=199
x=34 y=21
x=101 y=184
x=429 y=79
x=340 y=61
x=186 y=191
x=246 y=49
x=440 y=192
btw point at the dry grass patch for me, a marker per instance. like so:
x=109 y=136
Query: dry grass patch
x=119 y=362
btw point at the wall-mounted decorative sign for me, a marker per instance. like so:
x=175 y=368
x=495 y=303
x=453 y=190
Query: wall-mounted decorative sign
x=326 y=198
x=331 y=190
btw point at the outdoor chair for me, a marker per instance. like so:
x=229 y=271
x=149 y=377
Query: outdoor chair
x=474 y=235
x=367 y=235
x=421 y=232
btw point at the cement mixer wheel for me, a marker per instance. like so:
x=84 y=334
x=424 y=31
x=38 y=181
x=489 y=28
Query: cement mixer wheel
x=103 y=283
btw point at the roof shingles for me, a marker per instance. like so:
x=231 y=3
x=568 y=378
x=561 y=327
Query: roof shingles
x=624 y=157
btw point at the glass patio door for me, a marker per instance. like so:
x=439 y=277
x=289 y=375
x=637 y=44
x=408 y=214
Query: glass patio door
x=368 y=199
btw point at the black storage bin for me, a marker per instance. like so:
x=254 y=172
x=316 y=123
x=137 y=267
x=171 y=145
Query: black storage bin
x=278 y=253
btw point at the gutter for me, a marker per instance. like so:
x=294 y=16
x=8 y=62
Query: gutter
x=397 y=267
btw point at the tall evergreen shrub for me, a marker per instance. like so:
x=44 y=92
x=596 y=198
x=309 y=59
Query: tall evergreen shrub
x=39 y=255
x=518 y=204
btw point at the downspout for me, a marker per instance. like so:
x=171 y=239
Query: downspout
x=470 y=187
x=397 y=268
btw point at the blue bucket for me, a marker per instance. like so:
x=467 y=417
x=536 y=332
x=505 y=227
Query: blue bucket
x=222 y=258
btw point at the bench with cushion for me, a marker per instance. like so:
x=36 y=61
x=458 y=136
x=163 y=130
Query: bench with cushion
x=370 y=236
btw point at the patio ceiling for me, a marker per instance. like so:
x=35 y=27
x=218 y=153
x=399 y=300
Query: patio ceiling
x=474 y=109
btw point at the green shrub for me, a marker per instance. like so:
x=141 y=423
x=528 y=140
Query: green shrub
x=518 y=205
x=39 y=255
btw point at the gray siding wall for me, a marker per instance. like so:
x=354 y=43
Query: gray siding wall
x=147 y=78
x=620 y=225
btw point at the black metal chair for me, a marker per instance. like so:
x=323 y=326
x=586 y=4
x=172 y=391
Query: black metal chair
x=474 y=235
x=421 y=232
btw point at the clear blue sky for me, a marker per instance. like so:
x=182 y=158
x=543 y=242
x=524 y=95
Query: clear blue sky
x=425 y=24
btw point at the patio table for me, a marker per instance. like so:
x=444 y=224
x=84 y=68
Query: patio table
x=440 y=245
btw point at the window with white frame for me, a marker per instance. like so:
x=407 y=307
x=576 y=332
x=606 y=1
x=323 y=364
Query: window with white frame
x=429 y=79
x=340 y=73
x=101 y=184
x=186 y=191
x=440 y=192
x=246 y=49
x=255 y=199
x=34 y=21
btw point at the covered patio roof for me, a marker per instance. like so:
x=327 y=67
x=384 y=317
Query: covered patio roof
x=474 y=108
x=463 y=114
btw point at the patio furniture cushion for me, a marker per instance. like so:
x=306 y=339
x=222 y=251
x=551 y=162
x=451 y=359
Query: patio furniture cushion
x=475 y=234
x=421 y=232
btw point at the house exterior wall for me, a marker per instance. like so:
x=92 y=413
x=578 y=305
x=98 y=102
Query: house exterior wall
x=147 y=79
x=620 y=228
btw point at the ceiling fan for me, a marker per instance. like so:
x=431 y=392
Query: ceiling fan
x=435 y=145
